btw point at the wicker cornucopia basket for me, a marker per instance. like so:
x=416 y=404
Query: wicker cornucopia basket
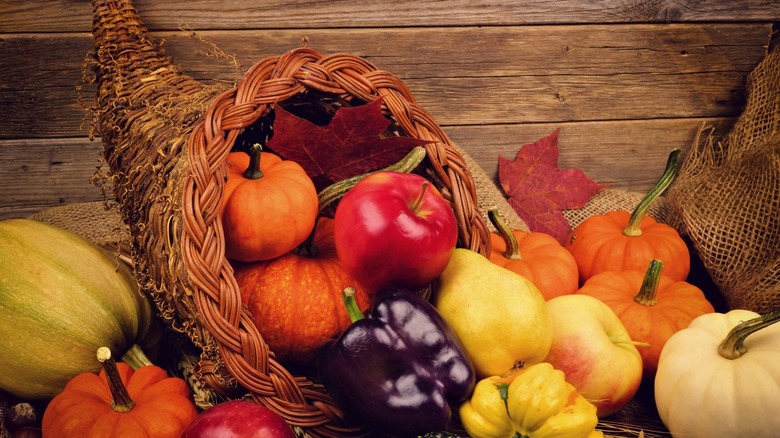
x=166 y=137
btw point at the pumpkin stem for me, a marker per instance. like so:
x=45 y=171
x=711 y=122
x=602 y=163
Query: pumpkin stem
x=308 y=248
x=122 y=401
x=512 y=251
x=648 y=291
x=253 y=169
x=632 y=229
x=733 y=347
x=336 y=190
x=349 y=302
x=135 y=357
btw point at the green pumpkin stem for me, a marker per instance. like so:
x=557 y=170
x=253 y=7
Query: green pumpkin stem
x=136 y=357
x=733 y=346
x=648 y=291
x=253 y=169
x=122 y=401
x=633 y=229
x=512 y=251
x=336 y=190
x=351 y=305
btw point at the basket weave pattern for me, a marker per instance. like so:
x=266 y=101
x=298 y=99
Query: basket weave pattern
x=166 y=137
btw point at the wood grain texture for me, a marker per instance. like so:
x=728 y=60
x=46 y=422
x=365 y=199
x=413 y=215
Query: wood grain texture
x=624 y=81
x=74 y=15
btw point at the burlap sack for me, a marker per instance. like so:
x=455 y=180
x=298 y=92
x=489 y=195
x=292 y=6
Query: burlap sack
x=727 y=197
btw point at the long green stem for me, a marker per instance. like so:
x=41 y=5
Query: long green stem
x=122 y=401
x=337 y=190
x=633 y=229
x=733 y=347
x=648 y=291
x=512 y=251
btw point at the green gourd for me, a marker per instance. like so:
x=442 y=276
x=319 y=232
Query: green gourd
x=61 y=298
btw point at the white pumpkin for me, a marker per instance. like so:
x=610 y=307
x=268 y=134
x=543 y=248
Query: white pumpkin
x=699 y=392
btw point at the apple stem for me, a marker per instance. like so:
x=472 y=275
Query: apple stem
x=417 y=202
x=122 y=401
x=648 y=292
x=733 y=347
x=253 y=169
x=336 y=190
x=351 y=305
x=512 y=251
x=633 y=229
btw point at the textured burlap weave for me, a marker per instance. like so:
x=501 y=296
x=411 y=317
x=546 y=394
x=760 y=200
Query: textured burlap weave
x=727 y=197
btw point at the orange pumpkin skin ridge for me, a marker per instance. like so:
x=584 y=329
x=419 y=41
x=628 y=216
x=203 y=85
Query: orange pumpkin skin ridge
x=599 y=245
x=267 y=217
x=296 y=301
x=163 y=406
x=545 y=262
x=678 y=303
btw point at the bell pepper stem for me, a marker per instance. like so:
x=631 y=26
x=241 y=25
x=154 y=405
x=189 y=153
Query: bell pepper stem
x=336 y=190
x=733 y=346
x=253 y=169
x=351 y=305
x=633 y=229
x=648 y=292
x=512 y=251
x=122 y=401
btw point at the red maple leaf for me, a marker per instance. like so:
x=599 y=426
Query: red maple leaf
x=351 y=144
x=539 y=191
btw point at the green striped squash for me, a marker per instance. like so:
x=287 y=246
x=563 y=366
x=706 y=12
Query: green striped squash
x=61 y=298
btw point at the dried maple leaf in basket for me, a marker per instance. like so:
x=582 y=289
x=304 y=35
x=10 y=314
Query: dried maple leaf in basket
x=539 y=191
x=351 y=144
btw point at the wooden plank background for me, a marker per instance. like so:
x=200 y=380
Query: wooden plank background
x=623 y=81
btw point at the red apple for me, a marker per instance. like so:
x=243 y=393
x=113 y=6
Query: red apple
x=394 y=229
x=593 y=348
x=238 y=419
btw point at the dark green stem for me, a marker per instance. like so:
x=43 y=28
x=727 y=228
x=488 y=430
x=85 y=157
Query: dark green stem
x=253 y=170
x=349 y=302
x=512 y=251
x=733 y=347
x=639 y=211
x=337 y=190
x=648 y=291
x=122 y=401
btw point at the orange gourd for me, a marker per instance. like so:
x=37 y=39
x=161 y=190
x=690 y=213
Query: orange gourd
x=268 y=207
x=619 y=240
x=296 y=299
x=536 y=256
x=651 y=305
x=120 y=402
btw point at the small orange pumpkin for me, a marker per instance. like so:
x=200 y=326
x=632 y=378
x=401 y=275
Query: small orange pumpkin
x=536 y=256
x=652 y=306
x=120 y=402
x=619 y=240
x=296 y=299
x=268 y=207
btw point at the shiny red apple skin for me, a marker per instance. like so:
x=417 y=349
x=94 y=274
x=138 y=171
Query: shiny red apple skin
x=387 y=235
x=238 y=419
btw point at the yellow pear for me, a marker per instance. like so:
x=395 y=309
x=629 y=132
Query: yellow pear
x=499 y=316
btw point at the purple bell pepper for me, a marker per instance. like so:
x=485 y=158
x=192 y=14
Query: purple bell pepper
x=400 y=368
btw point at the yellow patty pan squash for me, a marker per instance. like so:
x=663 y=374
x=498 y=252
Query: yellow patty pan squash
x=533 y=402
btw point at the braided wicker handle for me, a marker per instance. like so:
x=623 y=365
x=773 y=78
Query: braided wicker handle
x=270 y=81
